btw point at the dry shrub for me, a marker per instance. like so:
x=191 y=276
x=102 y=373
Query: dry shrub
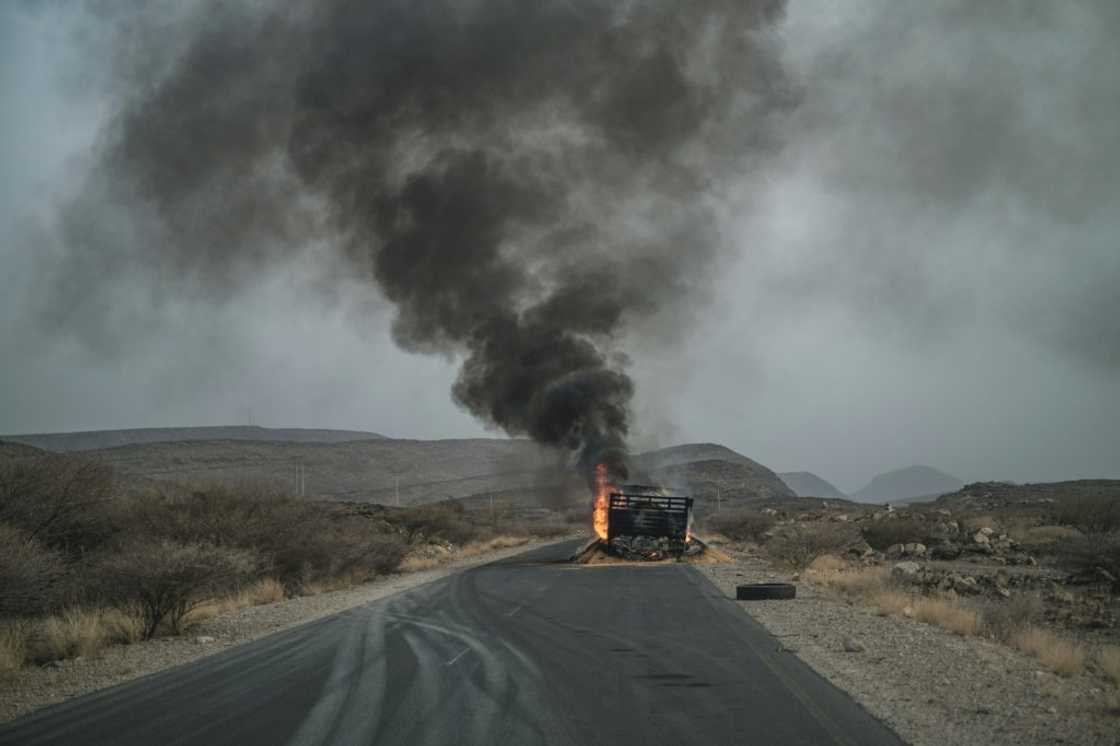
x=862 y=583
x=30 y=574
x=798 y=547
x=1109 y=660
x=826 y=565
x=887 y=532
x=948 y=615
x=741 y=525
x=298 y=542
x=888 y=601
x=166 y=579
x=1061 y=656
x=1095 y=515
x=59 y=500
x=1002 y=620
x=13 y=646
x=444 y=520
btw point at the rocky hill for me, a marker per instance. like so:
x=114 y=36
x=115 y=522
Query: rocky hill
x=988 y=496
x=386 y=470
x=808 y=484
x=708 y=471
x=95 y=439
x=913 y=481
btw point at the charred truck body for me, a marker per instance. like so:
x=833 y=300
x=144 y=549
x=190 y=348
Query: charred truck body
x=644 y=521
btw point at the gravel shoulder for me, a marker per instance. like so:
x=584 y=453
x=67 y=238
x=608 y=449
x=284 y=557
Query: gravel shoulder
x=34 y=687
x=930 y=686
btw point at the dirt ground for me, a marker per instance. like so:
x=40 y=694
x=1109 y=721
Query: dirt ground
x=931 y=686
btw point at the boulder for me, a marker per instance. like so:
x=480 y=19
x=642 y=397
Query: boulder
x=895 y=551
x=981 y=538
x=906 y=570
x=914 y=549
x=946 y=550
x=852 y=645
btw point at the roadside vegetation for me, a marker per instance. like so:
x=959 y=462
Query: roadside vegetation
x=86 y=563
x=889 y=563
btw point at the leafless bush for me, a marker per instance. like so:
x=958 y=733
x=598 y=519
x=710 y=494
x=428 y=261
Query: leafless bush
x=1004 y=619
x=886 y=533
x=444 y=520
x=741 y=525
x=798 y=547
x=58 y=500
x=299 y=542
x=167 y=578
x=1094 y=516
x=1089 y=555
x=30 y=574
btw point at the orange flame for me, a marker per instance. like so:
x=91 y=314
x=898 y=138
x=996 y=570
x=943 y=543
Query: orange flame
x=602 y=501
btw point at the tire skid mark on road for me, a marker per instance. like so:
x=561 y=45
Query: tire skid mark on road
x=353 y=677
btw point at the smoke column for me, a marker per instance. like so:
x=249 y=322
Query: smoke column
x=524 y=179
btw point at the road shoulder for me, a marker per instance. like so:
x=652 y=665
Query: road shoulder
x=930 y=686
x=35 y=687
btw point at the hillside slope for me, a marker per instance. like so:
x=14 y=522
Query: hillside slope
x=95 y=439
x=808 y=484
x=420 y=471
x=912 y=481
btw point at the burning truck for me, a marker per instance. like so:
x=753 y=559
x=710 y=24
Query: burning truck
x=641 y=522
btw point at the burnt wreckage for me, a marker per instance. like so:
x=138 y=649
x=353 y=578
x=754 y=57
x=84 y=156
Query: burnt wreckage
x=644 y=523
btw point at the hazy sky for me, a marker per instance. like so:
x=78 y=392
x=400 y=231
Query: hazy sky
x=926 y=271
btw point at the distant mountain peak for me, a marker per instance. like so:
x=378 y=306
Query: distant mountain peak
x=909 y=482
x=808 y=484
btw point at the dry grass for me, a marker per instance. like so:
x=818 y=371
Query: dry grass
x=1045 y=535
x=888 y=602
x=13 y=647
x=974 y=523
x=418 y=563
x=85 y=632
x=873 y=587
x=948 y=615
x=1061 y=656
x=266 y=591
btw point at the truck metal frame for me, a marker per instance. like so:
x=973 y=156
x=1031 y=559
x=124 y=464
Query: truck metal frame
x=640 y=510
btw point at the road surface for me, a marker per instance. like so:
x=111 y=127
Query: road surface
x=529 y=650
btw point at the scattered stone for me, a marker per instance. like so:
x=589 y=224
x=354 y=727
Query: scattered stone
x=895 y=550
x=980 y=538
x=852 y=645
x=204 y=639
x=914 y=549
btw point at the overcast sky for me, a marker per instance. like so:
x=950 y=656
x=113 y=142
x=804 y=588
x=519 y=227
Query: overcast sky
x=928 y=271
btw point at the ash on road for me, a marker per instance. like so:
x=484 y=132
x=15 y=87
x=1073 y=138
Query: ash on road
x=530 y=650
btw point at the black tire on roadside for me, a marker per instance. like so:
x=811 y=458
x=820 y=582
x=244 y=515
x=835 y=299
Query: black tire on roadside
x=765 y=592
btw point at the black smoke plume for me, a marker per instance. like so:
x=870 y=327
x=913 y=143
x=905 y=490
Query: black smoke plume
x=524 y=179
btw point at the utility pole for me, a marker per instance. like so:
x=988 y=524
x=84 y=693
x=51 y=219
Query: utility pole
x=397 y=490
x=719 y=501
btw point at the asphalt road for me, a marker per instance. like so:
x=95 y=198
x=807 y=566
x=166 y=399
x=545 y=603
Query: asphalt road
x=525 y=651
